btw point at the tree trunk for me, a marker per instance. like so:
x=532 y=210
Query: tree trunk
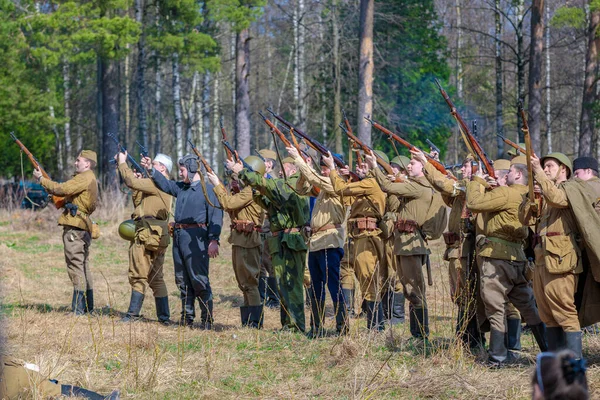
x=337 y=79
x=300 y=67
x=127 y=136
x=110 y=120
x=177 y=106
x=140 y=15
x=520 y=66
x=68 y=138
x=499 y=111
x=199 y=125
x=214 y=138
x=59 y=145
x=586 y=135
x=157 y=101
x=205 y=113
x=190 y=111
x=365 y=70
x=99 y=108
x=548 y=104
x=242 y=104
x=536 y=49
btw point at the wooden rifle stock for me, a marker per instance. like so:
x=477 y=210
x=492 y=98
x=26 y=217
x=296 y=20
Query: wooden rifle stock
x=470 y=139
x=231 y=156
x=59 y=202
x=529 y=153
x=202 y=159
x=512 y=144
x=385 y=165
x=436 y=164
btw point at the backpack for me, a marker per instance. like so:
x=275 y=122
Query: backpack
x=436 y=218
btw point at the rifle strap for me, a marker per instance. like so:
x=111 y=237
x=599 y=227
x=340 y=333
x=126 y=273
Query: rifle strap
x=24 y=186
x=203 y=185
x=391 y=139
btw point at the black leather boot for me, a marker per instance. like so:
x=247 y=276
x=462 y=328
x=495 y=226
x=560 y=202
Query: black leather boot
x=78 y=304
x=397 y=316
x=245 y=315
x=188 y=311
x=342 y=323
x=419 y=322
x=374 y=311
x=556 y=338
x=348 y=295
x=89 y=301
x=255 y=314
x=163 y=314
x=135 y=306
x=573 y=343
x=513 y=334
x=497 y=351
x=386 y=305
x=272 y=293
x=539 y=333
x=206 y=314
x=71 y=391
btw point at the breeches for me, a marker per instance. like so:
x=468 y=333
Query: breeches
x=146 y=270
x=410 y=271
x=77 y=250
x=246 y=266
x=555 y=297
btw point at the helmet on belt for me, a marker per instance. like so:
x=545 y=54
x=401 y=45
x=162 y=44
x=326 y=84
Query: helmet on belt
x=256 y=163
x=560 y=157
x=127 y=230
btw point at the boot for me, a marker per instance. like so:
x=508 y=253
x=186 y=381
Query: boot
x=386 y=304
x=497 y=351
x=513 y=334
x=245 y=315
x=348 y=295
x=71 y=391
x=78 y=303
x=317 y=314
x=342 y=324
x=419 y=322
x=188 y=312
x=556 y=338
x=163 y=314
x=255 y=314
x=272 y=294
x=573 y=342
x=374 y=312
x=262 y=288
x=206 y=314
x=539 y=333
x=397 y=315
x=135 y=306
x=89 y=301
x=475 y=338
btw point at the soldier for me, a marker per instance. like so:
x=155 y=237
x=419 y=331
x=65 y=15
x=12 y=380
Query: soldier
x=288 y=215
x=81 y=195
x=410 y=245
x=557 y=254
x=267 y=285
x=195 y=238
x=503 y=262
x=460 y=249
x=246 y=222
x=148 y=248
x=326 y=246
x=366 y=253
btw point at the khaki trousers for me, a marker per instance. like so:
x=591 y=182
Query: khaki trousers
x=555 y=296
x=503 y=281
x=77 y=250
x=368 y=261
x=391 y=280
x=246 y=266
x=347 y=268
x=146 y=270
x=410 y=272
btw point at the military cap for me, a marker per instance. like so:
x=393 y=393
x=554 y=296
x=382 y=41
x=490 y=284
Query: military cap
x=561 y=158
x=268 y=153
x=585 y=163
x=513 y=152
x=519 y=160
x=502 y=164
x=287 y=160
x=90 y=155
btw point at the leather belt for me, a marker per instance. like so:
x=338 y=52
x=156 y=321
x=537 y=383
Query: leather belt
x=287 y=230
x=189 y=226
x=327 y=227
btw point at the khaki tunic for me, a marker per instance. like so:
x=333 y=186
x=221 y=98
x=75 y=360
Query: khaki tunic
x=146 y=265
x=366 y=254
x=17 y=381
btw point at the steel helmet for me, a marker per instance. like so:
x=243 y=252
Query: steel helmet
x=401 y=161
x=256 y=163
x=560 y=157
x=382 y=155
x=127 y=230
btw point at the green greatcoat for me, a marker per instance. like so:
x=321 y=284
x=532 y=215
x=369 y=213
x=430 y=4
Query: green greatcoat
x=285 y=210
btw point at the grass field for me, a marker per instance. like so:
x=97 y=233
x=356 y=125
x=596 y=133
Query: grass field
x=148 y=361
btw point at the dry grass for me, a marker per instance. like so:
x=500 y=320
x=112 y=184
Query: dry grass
x=148 y=361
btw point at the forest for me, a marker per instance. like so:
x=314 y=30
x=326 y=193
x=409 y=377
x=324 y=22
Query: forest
x=163 y=74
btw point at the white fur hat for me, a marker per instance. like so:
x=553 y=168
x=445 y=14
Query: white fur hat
x=164 y=160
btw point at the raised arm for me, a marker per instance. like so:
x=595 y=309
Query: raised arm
x=143 y=185
x=73 y=186
x=166 y=185
x=480 y=200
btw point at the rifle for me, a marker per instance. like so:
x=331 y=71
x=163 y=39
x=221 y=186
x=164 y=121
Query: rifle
x=134 y=163
x=433 y=146
x=529 y=153
x=238 y=158
x=470 y=140
x=231 y=154
x=143 y=149
x=386 y=166
x=311 y=142
x=512 y=144
x=202 y=159
x=59 y=202
x=436 y=164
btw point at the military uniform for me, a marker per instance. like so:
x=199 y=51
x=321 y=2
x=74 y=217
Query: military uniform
x=460 y=254
x=147 y=250
x=503 y=262
x=326 y=246
x=288 y=213
x=246 y=221
x=366 y=252
x=196 y=225
x=410 y=247
x=80 y=191
x=557 y=260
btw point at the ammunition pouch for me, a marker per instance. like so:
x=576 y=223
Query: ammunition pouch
x=450 y=238
x=365 y=224
x=153 y=233
x=95 y=231
x=245 y=227
x=406 y=226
